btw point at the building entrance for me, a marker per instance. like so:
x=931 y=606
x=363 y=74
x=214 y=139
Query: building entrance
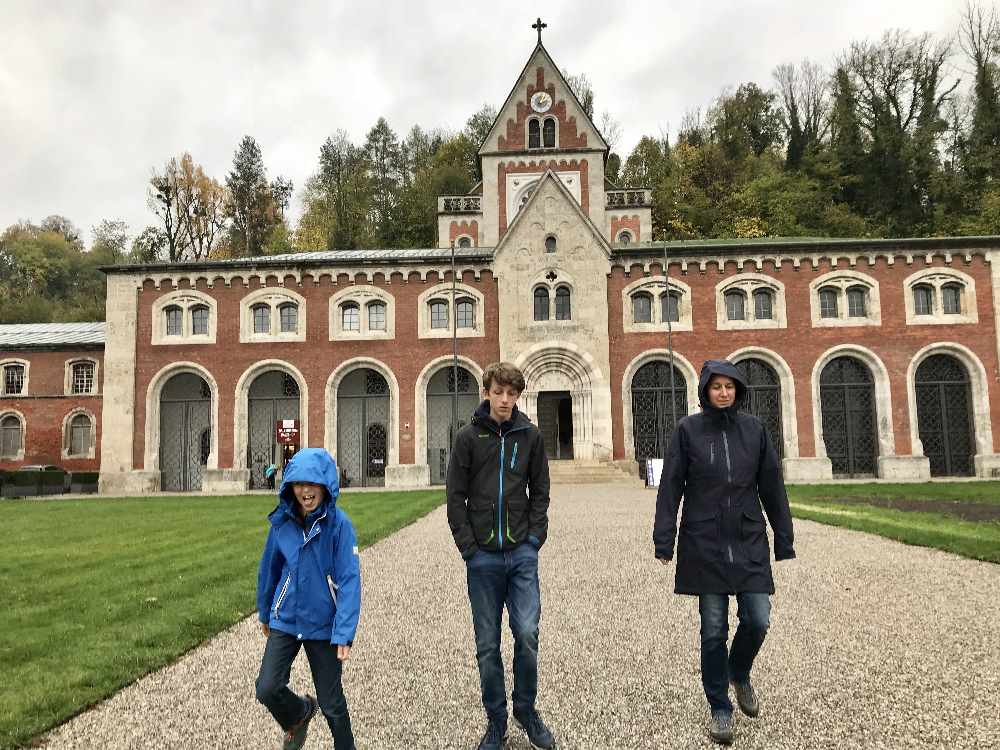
x=555 y=421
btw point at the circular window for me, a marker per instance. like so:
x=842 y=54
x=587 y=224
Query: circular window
x=624 y=237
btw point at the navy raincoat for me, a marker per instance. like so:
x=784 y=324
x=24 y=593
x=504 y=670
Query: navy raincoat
x=722 y=463
x=309 y=582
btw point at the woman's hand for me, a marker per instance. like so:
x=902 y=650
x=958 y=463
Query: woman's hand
x=265 y=629
x=343 y=652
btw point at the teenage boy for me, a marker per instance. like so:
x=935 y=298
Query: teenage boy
x=308 y=594
x=498 y=500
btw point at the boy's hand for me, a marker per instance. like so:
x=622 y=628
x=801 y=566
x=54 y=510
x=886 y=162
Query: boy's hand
x=343 y=652
x=265 y=629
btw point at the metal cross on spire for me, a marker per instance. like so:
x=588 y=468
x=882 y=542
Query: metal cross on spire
x=539 y=26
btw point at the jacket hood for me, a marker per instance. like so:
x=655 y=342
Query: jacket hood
x=309 y=465
x=721 y=367
x=482 y=415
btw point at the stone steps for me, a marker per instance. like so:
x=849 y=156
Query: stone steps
x=591 y=472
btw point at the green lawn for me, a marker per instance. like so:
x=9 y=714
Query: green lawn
x=98 y=592
x=976 y=539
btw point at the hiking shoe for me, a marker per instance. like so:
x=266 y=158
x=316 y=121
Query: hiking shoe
x=538 y=734
x=494 y=738
x=295 y=737
x=720 y=727
x=746 y=698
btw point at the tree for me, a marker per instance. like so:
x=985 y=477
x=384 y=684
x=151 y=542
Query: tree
x=979 y=39
x=384 y=161
x=111 y=237
x=648 y=164
x=201 y=202
x=254 y=206
x=477 y=127
x=584 y=91
x=805 y=116
x=338 y=199
x=149 y=246
x=163 y=198
x=747 y=122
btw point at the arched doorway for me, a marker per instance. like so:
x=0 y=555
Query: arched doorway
x=273 y=395
x=656 y=409
x=441 y=394
x=944 y=409
x=847 y=400
x=185 y=432
x=363 y=428
x=764 y=398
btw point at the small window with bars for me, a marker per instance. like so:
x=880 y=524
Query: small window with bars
x=642 y=308
x=670 y=305
x=465 y=313
x=376 y=316
x=174 y=317
x=288 y=314
x=350 y=317
x=736 y=305
x=923 y=300
x=439 y=314
x=261 y=318
x=857 y=302
x=13 y=380
x=951 y=299
x=11 y=436
x=828 y=299
x=83 y=377
x=199 y=320
x=80 y=431
x=763 y=304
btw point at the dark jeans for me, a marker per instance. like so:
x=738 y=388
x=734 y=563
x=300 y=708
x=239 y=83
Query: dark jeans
x=286 y=707
x=496 y=579
x=717 y=666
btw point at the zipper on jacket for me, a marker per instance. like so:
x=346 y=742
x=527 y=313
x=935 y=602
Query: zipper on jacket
x=500 y=499
x=333 y=588
x=729 y=477
x=281 y=596
x=711 y=452
x=513 y=458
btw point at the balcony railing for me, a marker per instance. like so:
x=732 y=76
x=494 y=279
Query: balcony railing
x=460 y=204
x=637 y=198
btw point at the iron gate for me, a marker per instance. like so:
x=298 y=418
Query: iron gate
x=273 y=395
x=653 y=419
x=764 y=398
x=944 y=421
x=185 y=432
x=847 y=398
x=439 y=421
x=363 y=428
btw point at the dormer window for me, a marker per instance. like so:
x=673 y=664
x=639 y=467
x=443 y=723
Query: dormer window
x=534 y=134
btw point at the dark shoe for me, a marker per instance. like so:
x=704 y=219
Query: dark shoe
x=720 y=727
x=746 y=698
x=538 y=734
x=295 y=737
x=494 y=738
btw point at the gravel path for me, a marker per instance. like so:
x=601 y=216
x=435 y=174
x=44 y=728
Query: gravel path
x=873 y=644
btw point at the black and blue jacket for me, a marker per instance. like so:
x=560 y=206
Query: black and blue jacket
x=498 y=484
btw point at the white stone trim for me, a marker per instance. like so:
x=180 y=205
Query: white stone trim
x=521 y=184
x=563 y=278
x=273 y=297
x=937 y=277
x=186 y=299
x=330 y=397
x=119 y=395
x=651 y=355
x=443 y=290
x=67 y=438
x=883 y=397
x=68 y=375
x=789 y=419
x=748 y=283
x=843 y=280
x=420 y=397
x=362 y=296
x=654 y=285
x=241 y=405
x=978 y=387
x=24 y=432
x=3 y=380
x=151 y=451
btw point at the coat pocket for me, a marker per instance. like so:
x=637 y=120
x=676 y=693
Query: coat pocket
x=753 y=537
x=282 y=595
x=333 y=589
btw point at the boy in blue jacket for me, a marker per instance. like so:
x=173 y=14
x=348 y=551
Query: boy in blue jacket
x=308 y=594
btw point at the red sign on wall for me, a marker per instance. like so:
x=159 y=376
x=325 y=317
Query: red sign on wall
x=287 y=431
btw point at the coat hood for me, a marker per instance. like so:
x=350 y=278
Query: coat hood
x=483 y=417
x=309 y=465
x=721 y=367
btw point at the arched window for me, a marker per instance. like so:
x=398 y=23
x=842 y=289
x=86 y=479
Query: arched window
x=562 y=304
x=464 y=242
x=549 y=133
x=465 y=313
x=439 y=314
x=763 y=304
x=10 y=436
x=735 y=305
x=83 y=378
x=289 y=315
x=13 y=380
x=261 y=318
x=642 y=308
x=80 y=431
x=670 y=305
x=857 y=302
x=828 y=307
x=376 y=316
x=541 y=303
x=199 y=320
x=534 y=134
x=923 y=299
x=951 y=299
x=350 y=317
x=174 y=320
x=624 y=238
x=550 y=244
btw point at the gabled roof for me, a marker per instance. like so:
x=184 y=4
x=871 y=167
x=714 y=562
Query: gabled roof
x=540 y=50
x=20 y=335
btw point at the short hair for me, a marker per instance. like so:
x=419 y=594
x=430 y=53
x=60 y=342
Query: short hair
x=503 y=373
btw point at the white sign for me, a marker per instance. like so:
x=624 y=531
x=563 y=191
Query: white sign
x=654 y=467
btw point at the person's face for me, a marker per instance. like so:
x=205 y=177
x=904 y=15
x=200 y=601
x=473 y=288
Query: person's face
x=308 y=496
x=721 y=391
x=502 y=399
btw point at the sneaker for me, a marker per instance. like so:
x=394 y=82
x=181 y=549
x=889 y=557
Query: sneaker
x=746 y=698
x=720 y=728
x=494 y=738
x=538 y=734
x=295 y=737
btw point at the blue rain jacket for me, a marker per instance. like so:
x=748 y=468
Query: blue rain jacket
x=309 y=582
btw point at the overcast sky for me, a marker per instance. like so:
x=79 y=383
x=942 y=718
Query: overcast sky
x=94 y=95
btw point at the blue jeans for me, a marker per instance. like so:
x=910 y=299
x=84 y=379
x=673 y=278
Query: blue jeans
x=718 y=666
x=496 y=579
x=286 y=707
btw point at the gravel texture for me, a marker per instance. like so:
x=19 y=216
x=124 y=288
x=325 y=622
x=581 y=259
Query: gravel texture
x=873 y=644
